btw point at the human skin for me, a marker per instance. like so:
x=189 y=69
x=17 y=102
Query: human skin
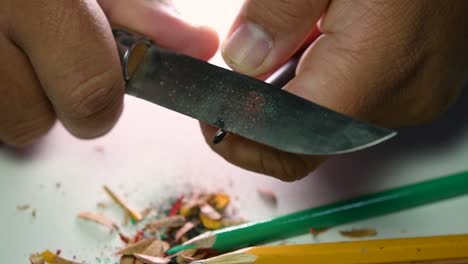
x=389 y=62
x=59 y=61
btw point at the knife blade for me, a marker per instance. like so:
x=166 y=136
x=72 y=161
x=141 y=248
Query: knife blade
x=239 y=104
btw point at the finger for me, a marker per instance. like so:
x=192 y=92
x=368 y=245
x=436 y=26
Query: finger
x=25 y=111
x=348 y=70
x=266 y=33
x=259 y=158
x=153 y=19
x=71 y=47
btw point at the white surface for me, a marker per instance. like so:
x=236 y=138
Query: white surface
x=154 y=153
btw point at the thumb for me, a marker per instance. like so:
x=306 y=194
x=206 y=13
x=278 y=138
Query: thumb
x=266 y=33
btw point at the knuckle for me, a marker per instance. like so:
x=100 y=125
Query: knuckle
x=25 y=132
x=92 y=95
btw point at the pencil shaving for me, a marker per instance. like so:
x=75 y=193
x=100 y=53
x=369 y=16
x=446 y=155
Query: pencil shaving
x=99 y=219
x=189 y=255
x=156 y=249
x=122 y=203
x=137 y=247
x=210 y=212
x=151 y=260
x=316 y=232
x=23 y=207
x=36 y=259
x=183 y=230
x=101 y=205
x=127 y=260
x=170 y=221
x=220 y=201
x=148 y=212
x=358 y=233
x=50 y=258
x=267 y=194
x=210 y=223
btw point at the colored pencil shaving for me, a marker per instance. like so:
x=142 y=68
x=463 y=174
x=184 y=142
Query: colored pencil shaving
x=49 y=258
x=438 y=249
x=364 y=207
x=358 y=233
x=162 y=226
x=99 y=218
x=122 y=203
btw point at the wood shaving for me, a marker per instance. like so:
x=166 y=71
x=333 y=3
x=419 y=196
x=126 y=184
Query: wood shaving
x=156 y=249
x=50 y=258
x=137 y=247
x=210 y=223
x=220 y=201
x=36 y=259
x=122 y=203
x=23 y=207
x=189 y=255
x=358 y=233
x=183 y=230
x=170 y=221
x=268 y=195
x=148 y=212
x=316 y=232
x=102 y=205
x=151 y=260
x=189 y=207
x=126 y=219
x=127 y=260
x=210 y=212
x=99 y=219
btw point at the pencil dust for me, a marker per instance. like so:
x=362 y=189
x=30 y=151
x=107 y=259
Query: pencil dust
x=267 y=194
x=23 y=207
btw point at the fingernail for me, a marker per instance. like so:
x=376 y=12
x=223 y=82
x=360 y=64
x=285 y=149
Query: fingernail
x=248 y=47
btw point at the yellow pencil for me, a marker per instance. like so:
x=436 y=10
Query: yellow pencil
x=452 y=249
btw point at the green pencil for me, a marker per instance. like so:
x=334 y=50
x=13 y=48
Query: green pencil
x=327 y=216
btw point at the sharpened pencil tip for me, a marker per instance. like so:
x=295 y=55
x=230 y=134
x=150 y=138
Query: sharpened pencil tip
x=179 y=248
